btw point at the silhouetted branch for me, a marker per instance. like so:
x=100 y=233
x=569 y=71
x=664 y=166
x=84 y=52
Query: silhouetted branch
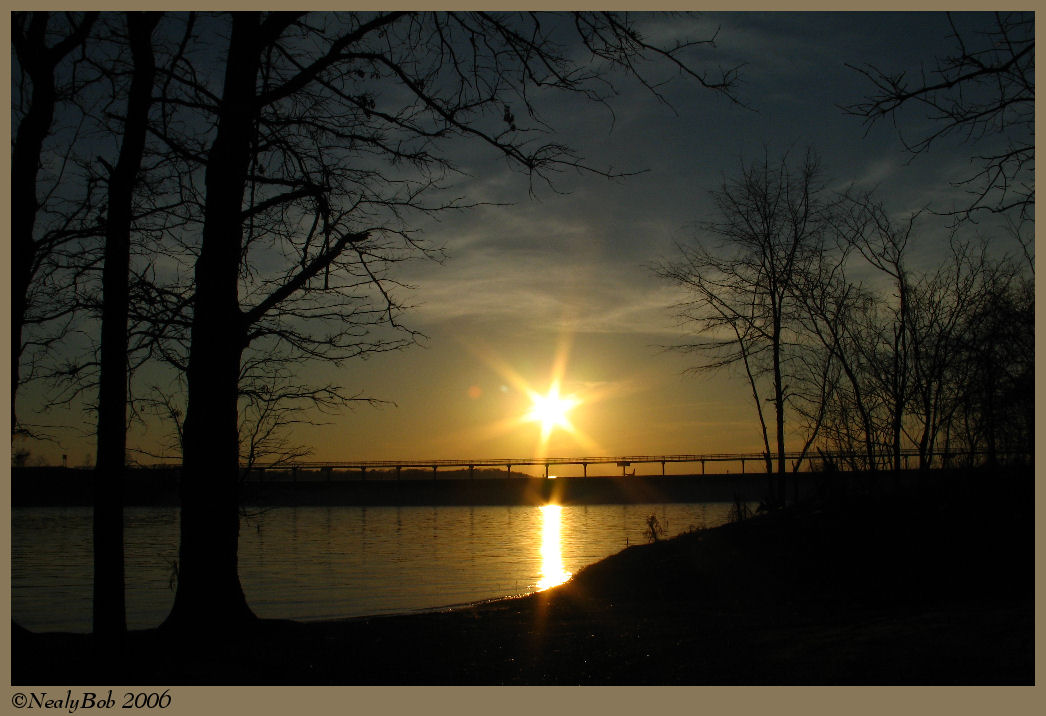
x=983 y=92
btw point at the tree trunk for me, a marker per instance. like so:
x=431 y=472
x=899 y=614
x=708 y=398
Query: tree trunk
x=25 y=162
x=767 y=457
x=209 y=596
x=779 y=410
x=901 y=369
x=39 y=62
x=109 y=611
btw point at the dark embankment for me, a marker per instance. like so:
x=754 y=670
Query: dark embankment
x=931 y=585
x=59 y=486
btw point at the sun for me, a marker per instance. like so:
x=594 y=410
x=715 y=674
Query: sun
x=550 y=412
x=551 y=409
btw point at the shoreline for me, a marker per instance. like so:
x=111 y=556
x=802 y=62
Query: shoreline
x=67 y=487
x=913 y=587
x=54 y=487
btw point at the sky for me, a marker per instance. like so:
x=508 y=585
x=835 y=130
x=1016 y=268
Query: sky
x=559 y=287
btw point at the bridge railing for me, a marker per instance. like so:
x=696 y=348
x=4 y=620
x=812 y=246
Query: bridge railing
x=910 y=460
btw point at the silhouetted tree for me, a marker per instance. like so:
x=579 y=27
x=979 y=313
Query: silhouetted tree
x=903 y=350
x=98 y=101
x=109 y=612
x=769 y=223
x=941 y=302
x=869 y=228
x=305 y=154
x=43 y=218
x=832 y=311
x=983 y=93
x=996 y=347
x=273 y=402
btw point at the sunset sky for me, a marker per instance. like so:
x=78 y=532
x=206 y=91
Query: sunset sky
x=560 y=286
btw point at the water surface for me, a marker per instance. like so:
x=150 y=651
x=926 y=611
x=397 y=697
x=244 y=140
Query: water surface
x=311 y=563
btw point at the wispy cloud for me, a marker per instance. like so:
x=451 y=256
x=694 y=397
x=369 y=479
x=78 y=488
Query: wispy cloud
x=552 y=274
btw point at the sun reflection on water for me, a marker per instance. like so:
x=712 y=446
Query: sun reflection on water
x=552 y=571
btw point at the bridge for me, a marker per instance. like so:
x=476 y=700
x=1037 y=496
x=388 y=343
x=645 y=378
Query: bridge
x=624 y=462
x=508 y=463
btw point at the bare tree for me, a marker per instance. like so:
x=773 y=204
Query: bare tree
x=903 y=346
x=960 y=307
x=79 y=267
x=273 y=402
x=768 y=226
x=868 y=227
x=43 y=218
x=109 y=612
x=996 y=345
x=725 y=329
x=273 y=405
x=833 y=311
x=984 y=94
x=939 y=302
x=306 y=152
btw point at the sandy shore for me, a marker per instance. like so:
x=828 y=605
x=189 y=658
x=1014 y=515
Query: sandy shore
x=933 y=586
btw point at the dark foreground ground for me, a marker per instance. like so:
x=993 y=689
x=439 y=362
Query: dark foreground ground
x=935 y=586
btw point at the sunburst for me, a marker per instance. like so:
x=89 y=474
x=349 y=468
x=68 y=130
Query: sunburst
x=551 y=410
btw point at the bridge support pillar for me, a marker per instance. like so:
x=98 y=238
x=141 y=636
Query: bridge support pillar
x=662 y=468
x=399 y=469
x=584 y=467
x=509 y=473
x=363 y=472
x=433 y=472
x=546 y=470
x=472 y=469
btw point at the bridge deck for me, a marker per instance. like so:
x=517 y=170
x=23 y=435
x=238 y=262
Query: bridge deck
x=623 y=461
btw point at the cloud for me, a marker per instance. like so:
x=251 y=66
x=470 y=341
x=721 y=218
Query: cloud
x=548 y=270
x=872 y=175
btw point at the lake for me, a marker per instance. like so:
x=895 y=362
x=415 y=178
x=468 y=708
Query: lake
x=310 y=563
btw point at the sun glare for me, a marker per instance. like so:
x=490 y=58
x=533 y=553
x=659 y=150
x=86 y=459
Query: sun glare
x=552 y=569
x=551 y=410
